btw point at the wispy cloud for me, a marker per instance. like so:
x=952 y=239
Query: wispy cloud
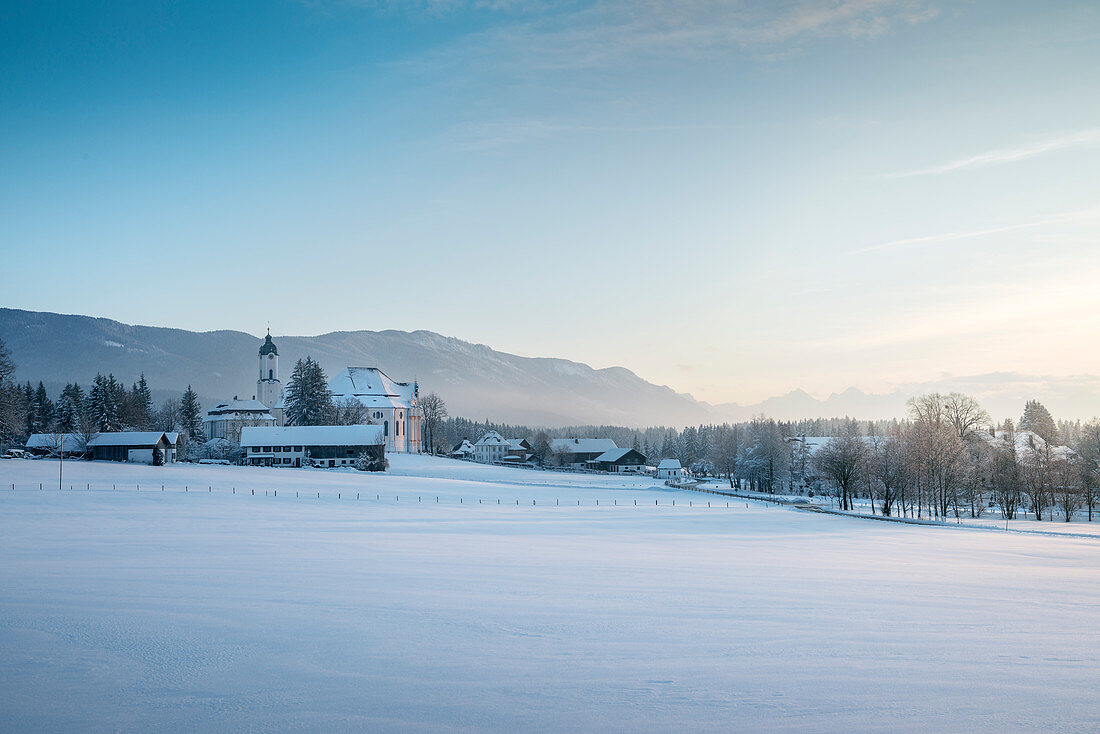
x=1008 y=155
x=1084 y=215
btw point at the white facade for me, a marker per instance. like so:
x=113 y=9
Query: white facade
x=225 y=420
x=269 y=390
x=491 y=448
x=670 y=469
x=393 y=405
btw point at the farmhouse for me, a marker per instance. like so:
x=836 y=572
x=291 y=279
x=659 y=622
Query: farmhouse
x=139 y=447
x=620 y=461
x=575 y=452
x=295 y=446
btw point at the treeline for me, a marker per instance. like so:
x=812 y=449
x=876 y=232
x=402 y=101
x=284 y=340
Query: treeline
x=694 y=446
x=105 y=405
x=946 y=460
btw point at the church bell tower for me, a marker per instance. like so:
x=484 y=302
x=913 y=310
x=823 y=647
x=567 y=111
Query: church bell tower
x=268 y=387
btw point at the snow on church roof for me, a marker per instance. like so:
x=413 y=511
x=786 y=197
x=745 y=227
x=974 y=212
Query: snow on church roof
x=372 y=387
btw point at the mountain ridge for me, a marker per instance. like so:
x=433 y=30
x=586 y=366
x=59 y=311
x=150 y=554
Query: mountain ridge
x=477 y=381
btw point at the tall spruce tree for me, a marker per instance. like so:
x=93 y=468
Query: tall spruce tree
x=308 y=399
x=191 y=416
x=70 y=408
x=139 y=406
x=44 y=411
x=104 y=402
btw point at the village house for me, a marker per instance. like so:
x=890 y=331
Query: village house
x=620 y=461
x=576 y=452
x=139 y=447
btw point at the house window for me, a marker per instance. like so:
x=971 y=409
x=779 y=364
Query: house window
x=286 y=448
x=386 y=428
x=297 y=448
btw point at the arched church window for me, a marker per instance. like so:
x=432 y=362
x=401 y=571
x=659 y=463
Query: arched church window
x=271 y=374
x=385 y=428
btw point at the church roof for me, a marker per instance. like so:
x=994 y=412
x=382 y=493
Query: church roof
x=372 y=387
x=268 y=347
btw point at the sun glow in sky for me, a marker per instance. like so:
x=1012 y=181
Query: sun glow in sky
x=731 y=198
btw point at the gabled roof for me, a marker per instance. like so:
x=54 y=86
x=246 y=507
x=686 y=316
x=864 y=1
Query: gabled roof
x=581 y=445
x=48 y=441
x=128 y=438
x=615 y=454
x=669 y=464
x=312 y=436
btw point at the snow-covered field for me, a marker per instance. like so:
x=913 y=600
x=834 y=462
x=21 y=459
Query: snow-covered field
x=218 y=609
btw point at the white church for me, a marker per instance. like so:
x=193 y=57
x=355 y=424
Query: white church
x=393 y=405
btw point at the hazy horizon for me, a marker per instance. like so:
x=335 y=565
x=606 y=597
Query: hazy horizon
x=735 y=199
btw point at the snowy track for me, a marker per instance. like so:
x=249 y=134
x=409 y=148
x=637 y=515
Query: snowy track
x=213 y=611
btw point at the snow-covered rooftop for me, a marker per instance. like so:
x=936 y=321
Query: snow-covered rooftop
x=669 y=464
x=48 y=441
x=127 y=438
x=492 y=438
x=613 y=454
x=236 y=406
x=1026 y=441
x=581 y=445
x=312 y=435
x=371 y=382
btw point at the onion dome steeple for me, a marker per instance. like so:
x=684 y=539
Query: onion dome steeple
x=268 y=346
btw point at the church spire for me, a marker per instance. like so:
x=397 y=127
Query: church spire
x=268 y=347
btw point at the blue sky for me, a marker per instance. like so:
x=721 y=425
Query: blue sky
x=732 y=198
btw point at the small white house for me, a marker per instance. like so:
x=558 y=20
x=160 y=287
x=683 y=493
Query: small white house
x=670 y=469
